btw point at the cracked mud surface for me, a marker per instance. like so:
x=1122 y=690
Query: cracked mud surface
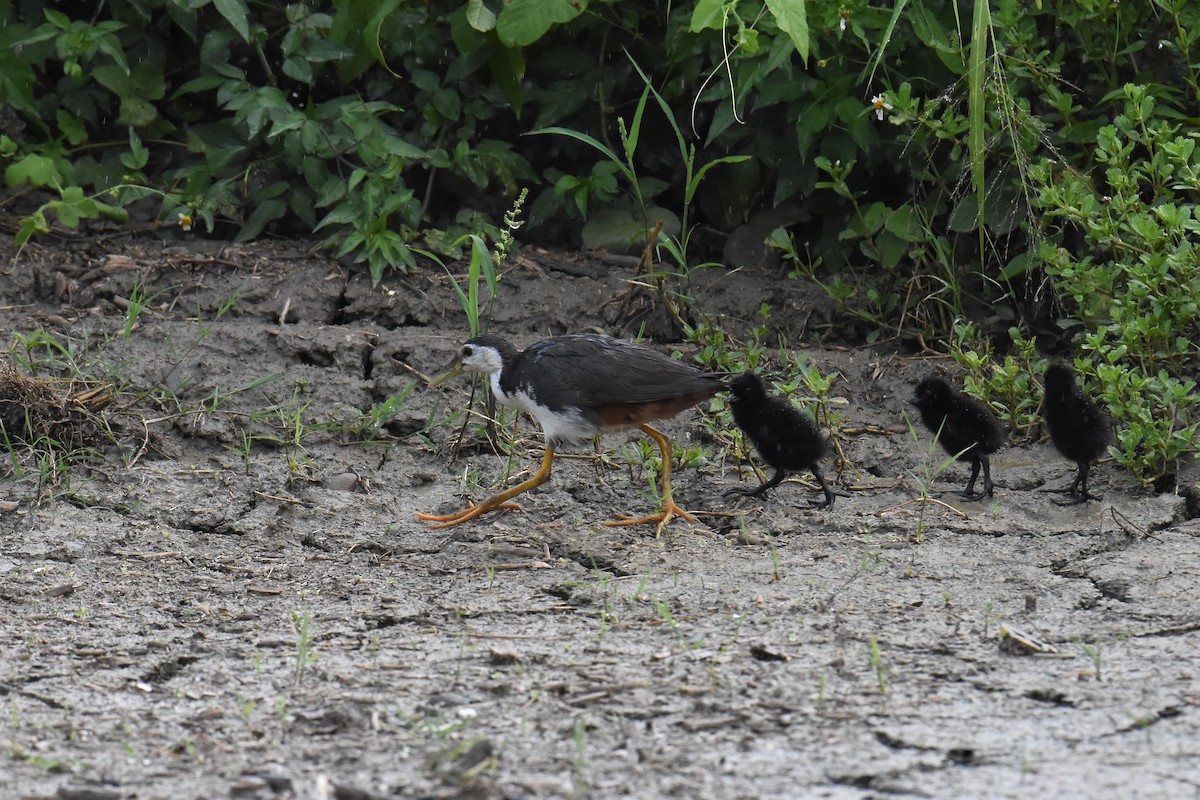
x=191 y=619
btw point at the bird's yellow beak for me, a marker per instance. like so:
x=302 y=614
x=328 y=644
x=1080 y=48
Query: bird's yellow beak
x=452 y=371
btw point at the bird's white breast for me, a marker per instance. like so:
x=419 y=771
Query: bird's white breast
x=563 y=425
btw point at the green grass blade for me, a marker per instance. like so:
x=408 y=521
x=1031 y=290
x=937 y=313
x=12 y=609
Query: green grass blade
x=884 y=39
x=473 y=269
x=980 y=28
x=635 y=129
x=588 y=140
x=695 y=182
x=463 y=301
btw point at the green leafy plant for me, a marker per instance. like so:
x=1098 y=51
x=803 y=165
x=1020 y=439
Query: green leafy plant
x=371 y=423
x=483 y=270
x=903 y=139
x=272 y=84
x=1011 y=386
x=302 y=627
x=650 y=227
x=936 y=462
x=44 y=461
x=480 y=267
x=1121 y=256
x=878 y=665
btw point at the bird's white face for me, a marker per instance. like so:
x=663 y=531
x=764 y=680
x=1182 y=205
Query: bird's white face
x=480 y=358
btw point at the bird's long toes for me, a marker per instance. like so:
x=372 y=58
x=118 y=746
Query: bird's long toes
x=470 y=512
x=1073 y=501
x=744 y=492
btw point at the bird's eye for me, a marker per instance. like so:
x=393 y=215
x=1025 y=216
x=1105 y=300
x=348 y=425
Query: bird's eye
x=466 y=351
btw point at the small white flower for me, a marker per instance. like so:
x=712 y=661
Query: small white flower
x=185 y=220
x=879 y=104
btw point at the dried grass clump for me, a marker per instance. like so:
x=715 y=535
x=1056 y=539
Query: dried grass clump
x=30 y=409
x=34 y=409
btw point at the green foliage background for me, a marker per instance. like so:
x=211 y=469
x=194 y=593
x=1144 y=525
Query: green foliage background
x=1025 y=165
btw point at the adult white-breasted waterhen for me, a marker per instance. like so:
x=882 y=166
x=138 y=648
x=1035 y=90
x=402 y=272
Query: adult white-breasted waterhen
x=580 y=385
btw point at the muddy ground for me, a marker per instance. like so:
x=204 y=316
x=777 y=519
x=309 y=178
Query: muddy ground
x=231 y=597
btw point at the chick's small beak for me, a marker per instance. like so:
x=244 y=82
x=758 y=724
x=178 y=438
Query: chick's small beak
x=453 y=370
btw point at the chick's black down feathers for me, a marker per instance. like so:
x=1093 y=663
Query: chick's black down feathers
x=784 y=437
x=963 y=426
x=1078 y=427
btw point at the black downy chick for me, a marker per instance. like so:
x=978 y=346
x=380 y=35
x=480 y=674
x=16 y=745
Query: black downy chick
x=1078 y=427
x=963 y=426
x=786 y=439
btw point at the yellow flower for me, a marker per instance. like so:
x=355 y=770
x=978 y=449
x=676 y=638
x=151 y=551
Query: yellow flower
x=185 y=220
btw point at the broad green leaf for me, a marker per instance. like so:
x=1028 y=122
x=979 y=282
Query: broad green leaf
x=523 y=22
x=111 y=47
x=33 y=169
x=707 y=14
x=58 y=19
x=137 y=111
x=138 y=155
x=1017 y=267
x=264 y=212
x=16 y=81
x=321 y=50
x=357 y=25
x=236 y=14
x=508 y=70
x=792 y=19
x=905 y=223
x=874 y=216
x=72 y=126
x=480 y=16
x=35 y=223
x=67 y=214
x=891 y=249
x=965 y=216
x=298 y=69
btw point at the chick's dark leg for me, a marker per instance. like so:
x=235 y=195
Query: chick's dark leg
x=969 y=493
x=780 y=474
x=988 y=486
x=498 y=501
x=1078 y=488
x=828 y=501
x=1084 y=469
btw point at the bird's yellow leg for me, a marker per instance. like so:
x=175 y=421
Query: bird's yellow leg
x=498 y=501
x=669 y=509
